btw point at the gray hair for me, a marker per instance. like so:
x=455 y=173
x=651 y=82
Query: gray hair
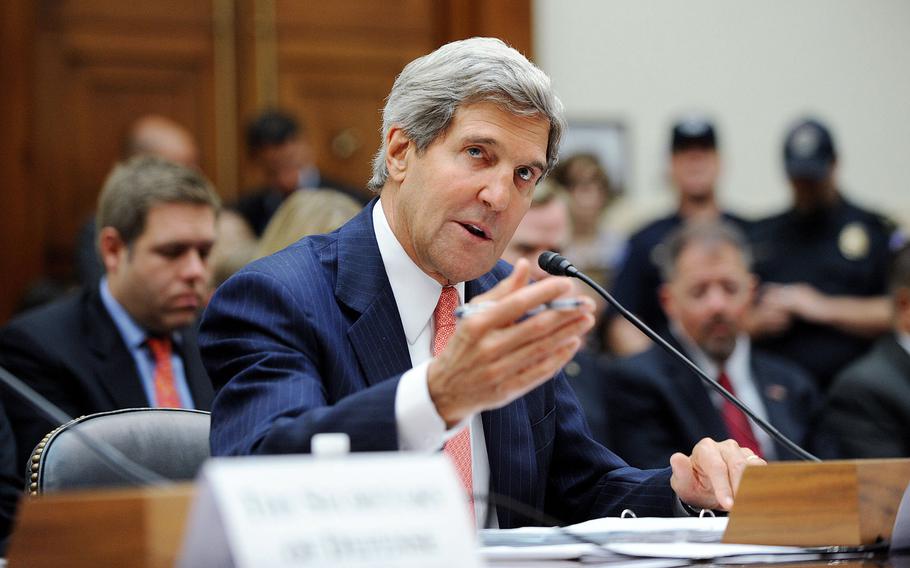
x=708 y=233
x=134 y=186
x=431 y=88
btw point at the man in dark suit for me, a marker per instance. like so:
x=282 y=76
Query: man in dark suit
x=279 y=146
x=867 y=410
x=655 y=404
x=694 y=171
x=10 y=484
x=128 y=341
x=355 y=331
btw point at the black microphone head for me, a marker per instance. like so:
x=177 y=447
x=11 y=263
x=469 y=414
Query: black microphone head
x=556 y=264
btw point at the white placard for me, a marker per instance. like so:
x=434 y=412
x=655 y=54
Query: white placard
x=367 y=509
x=900 y=534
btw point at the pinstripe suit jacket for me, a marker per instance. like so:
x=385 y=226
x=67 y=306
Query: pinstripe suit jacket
x=310 y=340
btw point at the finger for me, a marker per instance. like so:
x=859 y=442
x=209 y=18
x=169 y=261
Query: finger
x=529 y=353
x=512 y=306
x=515 y=280
x=708 y=459
x=532 y=376
x=551 y=325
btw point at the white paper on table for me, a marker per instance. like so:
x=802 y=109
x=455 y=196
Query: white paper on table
x=701 y=550
x=612 y=529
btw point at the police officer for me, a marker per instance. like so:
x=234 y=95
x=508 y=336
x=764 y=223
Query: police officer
x=694 y=170
x=823 y=264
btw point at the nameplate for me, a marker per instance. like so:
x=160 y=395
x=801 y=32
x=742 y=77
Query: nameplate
x=367 y=509
x=900 y=535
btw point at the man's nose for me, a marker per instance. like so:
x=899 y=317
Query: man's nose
x=497 y=192
x=194 y=265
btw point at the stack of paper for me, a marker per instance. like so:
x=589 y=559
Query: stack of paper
x=640 y=542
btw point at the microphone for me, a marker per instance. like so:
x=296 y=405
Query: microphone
x=559 y=265
x=111 y=456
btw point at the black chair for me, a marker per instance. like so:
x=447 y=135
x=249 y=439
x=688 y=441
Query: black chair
x=171 y=442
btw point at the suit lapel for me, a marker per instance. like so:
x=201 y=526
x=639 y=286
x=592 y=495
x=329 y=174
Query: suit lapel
x=897 y=356
x=775 y=406
x=695 y=396
x=196 y=378
x=113 y=367
x=506 y=430
x=376 y=336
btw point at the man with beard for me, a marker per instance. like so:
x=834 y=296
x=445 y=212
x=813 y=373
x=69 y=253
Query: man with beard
x=356 y=331
x=695 y=167
x=657 y=406
x=128 y=341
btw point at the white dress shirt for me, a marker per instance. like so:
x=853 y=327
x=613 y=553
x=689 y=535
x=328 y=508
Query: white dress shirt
x=739 y=369
x=420 y=428
x=903 y=339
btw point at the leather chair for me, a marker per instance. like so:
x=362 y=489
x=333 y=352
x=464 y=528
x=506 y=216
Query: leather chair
x=171 y=442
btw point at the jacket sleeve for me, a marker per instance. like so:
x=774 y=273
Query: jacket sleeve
x=284 y=371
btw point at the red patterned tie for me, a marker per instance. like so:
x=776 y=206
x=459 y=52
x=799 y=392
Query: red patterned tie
x=458 y=448
x=736 y=420
x=166 y=395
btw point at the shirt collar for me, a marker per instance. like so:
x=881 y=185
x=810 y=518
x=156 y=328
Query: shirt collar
x=130 y=331
x=903 y=339
x=736 y=365
x=416 y=293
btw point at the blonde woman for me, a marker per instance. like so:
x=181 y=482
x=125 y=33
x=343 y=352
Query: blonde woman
x=306 y=212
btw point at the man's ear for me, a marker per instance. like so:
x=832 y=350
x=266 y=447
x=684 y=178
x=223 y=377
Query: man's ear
x=397 y=146
x=111 y=248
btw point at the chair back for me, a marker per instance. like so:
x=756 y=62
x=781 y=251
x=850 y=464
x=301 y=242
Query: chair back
x=171 y=442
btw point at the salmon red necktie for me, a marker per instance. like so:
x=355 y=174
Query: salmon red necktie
x=458 y=448
x=166 y=395
x=736 y=420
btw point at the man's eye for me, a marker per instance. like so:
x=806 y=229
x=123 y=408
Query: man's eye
x=171 y=252
x=527 y=174
x=474 y=152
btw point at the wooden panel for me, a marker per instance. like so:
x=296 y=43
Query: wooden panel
x=845 y=503
x=100 y=65
x=127 y=528
x=509 y=20
x=20 y=237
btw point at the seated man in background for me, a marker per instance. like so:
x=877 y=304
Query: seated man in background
x=148 y=135
x=867 y=410
x=279 y=146
x=356 y=332
x=546 y=227
x=657 y=406
x=695 y=165
x=128 y=341
x=10 y=480
x=823 y=265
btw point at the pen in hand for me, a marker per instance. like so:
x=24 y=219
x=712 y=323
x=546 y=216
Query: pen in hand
x=561 y=304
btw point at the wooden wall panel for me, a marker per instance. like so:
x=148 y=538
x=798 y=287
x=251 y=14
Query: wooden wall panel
x=100 y=65
x=20 y=239
x=337 y=63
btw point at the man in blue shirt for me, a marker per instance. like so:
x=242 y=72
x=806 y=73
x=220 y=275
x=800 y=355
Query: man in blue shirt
x=128 y=341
